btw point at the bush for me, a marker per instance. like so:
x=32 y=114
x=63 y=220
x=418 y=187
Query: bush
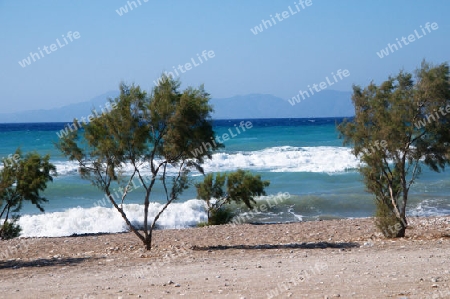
x=387 y=222
x=22 y=179
x=223 y=189
x=10 y=230
x=222 y=215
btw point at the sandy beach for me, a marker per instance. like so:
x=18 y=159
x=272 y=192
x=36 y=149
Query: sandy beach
x=321 y=259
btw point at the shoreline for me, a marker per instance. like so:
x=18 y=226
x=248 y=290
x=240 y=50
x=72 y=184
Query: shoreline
x=321 y=259
x=231 y=224
x=237 y=221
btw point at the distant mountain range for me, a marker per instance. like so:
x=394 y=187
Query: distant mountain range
x=327 y=103
x=62 y=114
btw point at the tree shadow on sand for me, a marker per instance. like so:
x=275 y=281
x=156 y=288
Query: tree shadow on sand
x=42 y=262
x=311 y=245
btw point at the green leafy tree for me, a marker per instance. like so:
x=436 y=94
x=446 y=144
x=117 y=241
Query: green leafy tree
x=145 y=132
x=22 y=178
x=398 y=127
x=239 y=186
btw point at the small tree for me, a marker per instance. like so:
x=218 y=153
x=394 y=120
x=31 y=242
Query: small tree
x=396 y=126
x=22 y=178
x=145 y=132
x=241 y=187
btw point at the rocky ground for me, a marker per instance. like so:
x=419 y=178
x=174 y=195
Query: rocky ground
x=320 y=259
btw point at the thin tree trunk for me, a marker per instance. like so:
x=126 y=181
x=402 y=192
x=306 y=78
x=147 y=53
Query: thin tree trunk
x=7 y=213
x=402 y=232
x=148 y=241
x=146 y=205
x=394 y=203
x=124 y=216
x=6 y=206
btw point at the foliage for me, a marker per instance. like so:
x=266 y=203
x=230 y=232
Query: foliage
x=202 y=224
x=409 y=115
x=221 y=215
x=10 y=229
x=22 y=179
x=153 y=132
x=386 y=220
x=241 y=187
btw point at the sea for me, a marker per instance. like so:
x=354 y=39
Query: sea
x=312 y=177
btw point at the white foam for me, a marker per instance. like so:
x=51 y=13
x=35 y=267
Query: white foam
x=66 y=167
x=108 y=220
x=297 y=217
x=430 y=207
x=325 y=159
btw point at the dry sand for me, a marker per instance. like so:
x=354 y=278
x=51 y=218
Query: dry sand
x=321 y=259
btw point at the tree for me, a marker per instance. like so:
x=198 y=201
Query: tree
x=22 y=178
x=145 y=132
x=398 y=127
x=241 y=187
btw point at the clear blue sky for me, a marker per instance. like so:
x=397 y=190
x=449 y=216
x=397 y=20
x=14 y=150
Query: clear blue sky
x=136 y=47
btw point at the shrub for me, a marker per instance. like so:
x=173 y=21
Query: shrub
x=10 y=230
x=222 y=215
x=387 y=222
x=238 y=187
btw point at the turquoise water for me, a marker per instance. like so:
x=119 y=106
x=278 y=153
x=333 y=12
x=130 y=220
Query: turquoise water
x=301 y=157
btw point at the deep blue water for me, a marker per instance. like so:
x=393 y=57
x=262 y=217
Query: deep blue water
x=302 y=157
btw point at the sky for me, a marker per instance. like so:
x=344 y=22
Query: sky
x=307 y=42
